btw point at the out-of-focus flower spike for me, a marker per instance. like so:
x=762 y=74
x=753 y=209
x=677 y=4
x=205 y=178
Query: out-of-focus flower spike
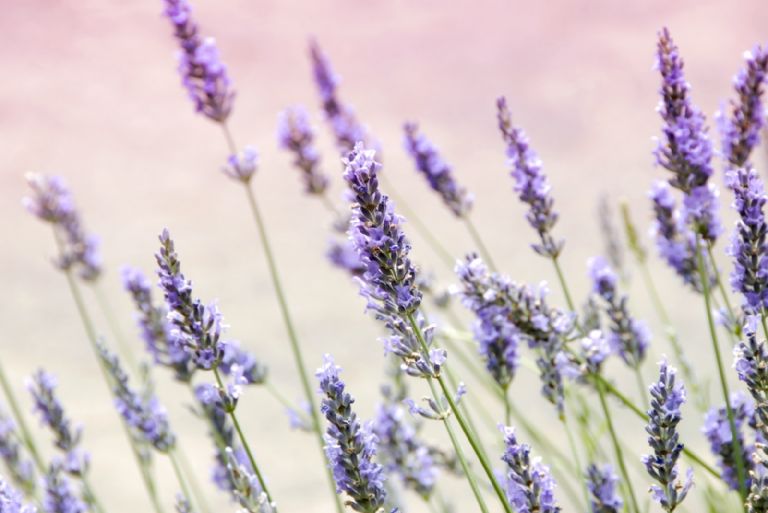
x=602 y=483
x=295 y=134
x=11 y=500
x=717 y=429
x=246 y=486
x=530 y=486
x=59 y=496
x=20 y=469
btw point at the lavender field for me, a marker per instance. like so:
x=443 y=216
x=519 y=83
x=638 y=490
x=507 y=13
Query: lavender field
x=442 y=190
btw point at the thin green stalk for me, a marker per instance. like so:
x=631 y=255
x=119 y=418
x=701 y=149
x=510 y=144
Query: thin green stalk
x=180 y=476
x=617 y=446
x=26 y=434
x=465 y=409
x=90 y=495
x=292 y=336
x=280 y=398
x=576 y=459
x=114 y=326
x=721 y=288
x=329 y=205
x=507 y=407
x=462 y=421
x=740 y=468
x=244 y=441
x=187 y=471
x=479 y=242
x=563 y=285
x=641 y=387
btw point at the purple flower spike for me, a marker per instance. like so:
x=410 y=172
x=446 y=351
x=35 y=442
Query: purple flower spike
x=667 y=397
x=142 y=412
x=530 y=486
x=350 y=447
x=347 y=130
x=717 y=429
x=202 y=72
x=42 y=386
x=52 y=202
x=11 y=500
x=437 y=172
x=59 y=496
x=531 y=184
x=748 y=245
x=20 y=469
x=684 y=147
x=295 y=134
x=751 y=365
x=602 y=482
x=628 y=336
x=741 y=132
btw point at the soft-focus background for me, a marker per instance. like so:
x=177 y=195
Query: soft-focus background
x=90 y=91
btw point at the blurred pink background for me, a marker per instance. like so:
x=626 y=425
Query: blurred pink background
x=90 y=91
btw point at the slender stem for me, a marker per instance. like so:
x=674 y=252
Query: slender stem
x=576 y=458
x=26 y=434
x=465 y=409
x=740 y=469
x=641 y=387
x=721 y=288
x=479 y=242
x=193 y=482
x=90 y=496
x=292 y=337
x=179 y=475
x=507 y=407
x=244 y=442
x=563 y=285
x=462 y=421
x=460 y=455
x=114 y=326
x=617 y=446
x=329 y=205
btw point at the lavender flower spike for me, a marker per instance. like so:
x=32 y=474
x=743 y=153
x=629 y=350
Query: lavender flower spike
x=684 y=147
x=741 y=132
x=20 y=469
x=628 y=336
x=59 y=496
x=295 y=134
x=11 y=500
x=751 y=364
x=437 y=172
x=202 y=72
x=143 y=413
x=718 y=432
x=667 y=397
x=350 y=447
x=748 y=245
x=531 y=184
x=246 y=487
x=530 y=486
x=52 y=202
x=601 y=482
x=42 y=386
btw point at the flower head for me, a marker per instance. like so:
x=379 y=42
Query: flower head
x=59 y=496
x=202 y=72
x=717 y=429
x=11 y=500
x=530 y=486
x=531 y=184
x=602 y=482
x=52 y=202
x=20 y=469
x=295 y=134
x=350 y=447
x=437 y=172
x=243 y=165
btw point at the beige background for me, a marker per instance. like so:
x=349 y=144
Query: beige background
x=90 y=91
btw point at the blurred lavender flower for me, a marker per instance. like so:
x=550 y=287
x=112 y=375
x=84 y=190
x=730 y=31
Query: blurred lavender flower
x=437 y=172
x=347 y=130
x=675 y=242
x=628 y=337
x=195 y=327
x=344 y=256
x=300 y=418
x=242 y=166
x=144 y=414
x=614 y=248
x=42 y=386
x=717 y=429
x=155 y=328
x=246 y=487
x=684 y=147
x=667 y=397
x=595 y=349
x=543 y=328
x=59 y=497
x=530 y=486
x=52 y=202
x=182 y=504
x=602 y=483
x=741 y=132
x=402 y=452
x=494 y=329
x=19 y=468
x=751 y=364
x=11 y=500
x=295 y=134
x=748 y=245
x=202 y=72
x=531 y=183
x=350 y=447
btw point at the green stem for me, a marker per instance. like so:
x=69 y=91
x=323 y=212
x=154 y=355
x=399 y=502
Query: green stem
x=641 y=387
x=723 y=292
x=180 y=476
x=90 y=495
x=193 y=482
x=462 y=421
x=114 y=326
x=576 y=458
x=479 y=242
x=26 y=434
x=453 y=382
x=617 y=446
x=740 y=469
x=244 y=441
x=292 y=337
x=564 y=285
